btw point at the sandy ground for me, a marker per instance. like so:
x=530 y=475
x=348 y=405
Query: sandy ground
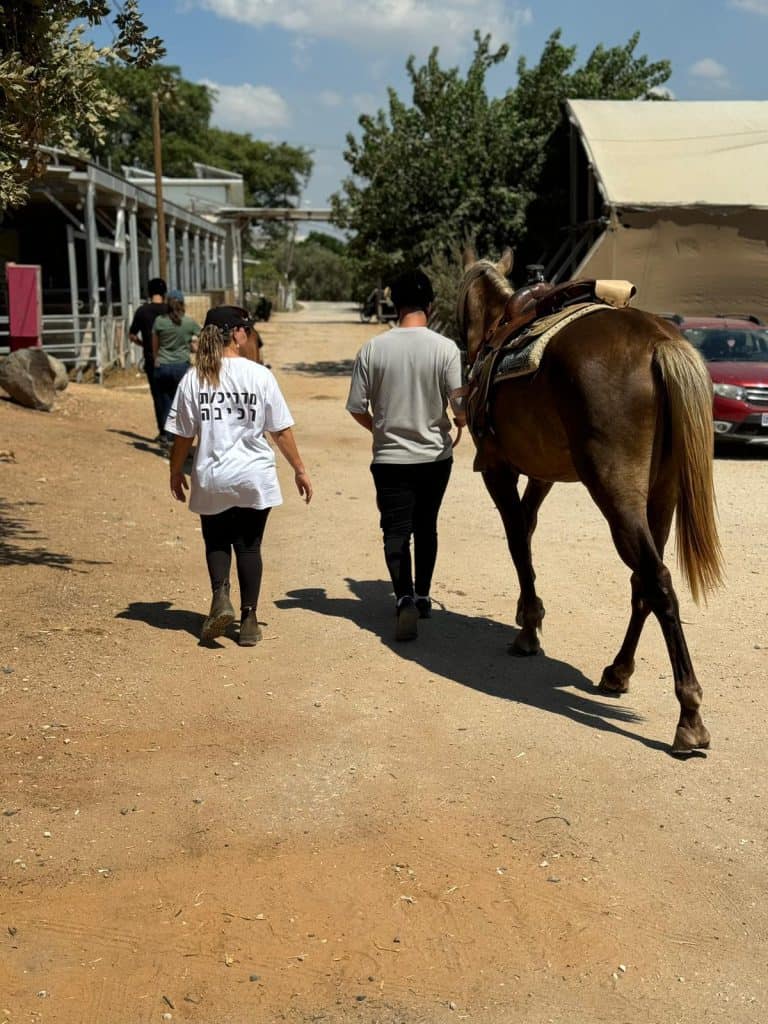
x=334 y=827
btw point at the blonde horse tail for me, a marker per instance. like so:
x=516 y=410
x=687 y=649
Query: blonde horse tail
x=688 y=391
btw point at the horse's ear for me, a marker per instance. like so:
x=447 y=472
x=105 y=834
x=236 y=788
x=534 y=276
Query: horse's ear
x=507 y=261
x=469 y=256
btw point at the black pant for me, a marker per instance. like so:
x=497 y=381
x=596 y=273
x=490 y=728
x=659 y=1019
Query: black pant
x=409 y=497
x=241 y=529
x=149 y=369
x=167 y=377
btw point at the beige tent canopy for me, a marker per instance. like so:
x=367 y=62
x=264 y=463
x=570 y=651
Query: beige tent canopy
x=683 y=192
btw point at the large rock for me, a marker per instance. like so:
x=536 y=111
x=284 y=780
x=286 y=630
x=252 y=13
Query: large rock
x=61 y=377
x=29 y=378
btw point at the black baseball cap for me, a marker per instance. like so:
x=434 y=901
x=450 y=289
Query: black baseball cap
x=227 y=318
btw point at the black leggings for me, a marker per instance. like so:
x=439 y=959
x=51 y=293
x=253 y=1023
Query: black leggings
x=409 y=497
x=241 y=529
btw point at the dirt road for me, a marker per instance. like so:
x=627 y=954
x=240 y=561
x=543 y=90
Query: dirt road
x=333 y=827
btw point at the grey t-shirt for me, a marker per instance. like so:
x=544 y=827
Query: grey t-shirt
x=407 y=375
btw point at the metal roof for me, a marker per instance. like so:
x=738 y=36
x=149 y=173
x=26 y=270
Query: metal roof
x=70 y=173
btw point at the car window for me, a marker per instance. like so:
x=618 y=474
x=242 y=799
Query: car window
x=718 y=344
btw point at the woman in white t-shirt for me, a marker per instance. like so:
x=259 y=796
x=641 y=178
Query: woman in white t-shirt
x=228 y=403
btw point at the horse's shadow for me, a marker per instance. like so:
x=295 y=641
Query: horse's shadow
x=472 y=651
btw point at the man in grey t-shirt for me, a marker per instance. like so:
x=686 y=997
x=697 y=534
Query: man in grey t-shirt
x=402 y=384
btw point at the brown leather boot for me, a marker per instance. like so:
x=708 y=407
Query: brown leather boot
x=250 y=630
x=220 y=617
x=407 y=627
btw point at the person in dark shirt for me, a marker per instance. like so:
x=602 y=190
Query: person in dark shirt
x=140 y=332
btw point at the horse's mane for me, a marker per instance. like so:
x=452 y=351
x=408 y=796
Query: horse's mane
x=488 y=270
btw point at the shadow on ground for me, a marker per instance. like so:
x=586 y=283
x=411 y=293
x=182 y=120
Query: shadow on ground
x=140 y=443
x=149 y=444
x=323 y=368
x=162 y=615
x=472 y=650
x=16 y=535
x=735 y=452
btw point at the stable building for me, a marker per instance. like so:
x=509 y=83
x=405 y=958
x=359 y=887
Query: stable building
x=94 y=235
x=672 y=196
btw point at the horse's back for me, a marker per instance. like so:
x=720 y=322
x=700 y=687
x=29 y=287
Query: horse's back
x=595 y=387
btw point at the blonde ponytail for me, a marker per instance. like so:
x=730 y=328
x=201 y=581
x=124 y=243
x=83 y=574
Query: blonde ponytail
x=210 y=348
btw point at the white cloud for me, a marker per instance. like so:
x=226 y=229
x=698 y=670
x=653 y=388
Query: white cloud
x=302 y=54
x=367 y=103
x=662 y=92
x=755 y=6
x=329 y=98
x=710 y=71
x=407 y=25
x=247 y=108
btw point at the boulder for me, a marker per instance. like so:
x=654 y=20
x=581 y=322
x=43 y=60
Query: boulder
x=29 y=378
x=61 y=377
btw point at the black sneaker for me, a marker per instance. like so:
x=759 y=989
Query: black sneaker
x=407 y=620
x=424 y=607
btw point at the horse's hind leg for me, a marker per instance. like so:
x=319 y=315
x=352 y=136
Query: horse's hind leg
x=661 y=508
x=519 y=518
x=636 y=546
x=616 y=676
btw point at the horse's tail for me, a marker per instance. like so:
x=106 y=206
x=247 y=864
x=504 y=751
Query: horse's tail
x=689 y=403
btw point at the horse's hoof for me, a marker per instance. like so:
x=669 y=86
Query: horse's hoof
x=524 y=648
x=613 y=681
x=689 y=737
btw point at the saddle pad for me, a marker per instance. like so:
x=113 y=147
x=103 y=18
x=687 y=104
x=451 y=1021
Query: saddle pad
x=526 y=355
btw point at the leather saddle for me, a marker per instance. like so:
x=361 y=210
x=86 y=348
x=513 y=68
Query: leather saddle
x=511 y=333
x=541 y=299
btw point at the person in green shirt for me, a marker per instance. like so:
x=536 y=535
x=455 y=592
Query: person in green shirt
x=173 y=341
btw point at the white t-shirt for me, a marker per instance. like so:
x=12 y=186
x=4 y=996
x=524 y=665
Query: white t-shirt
x=234 y=464
x=407 y=376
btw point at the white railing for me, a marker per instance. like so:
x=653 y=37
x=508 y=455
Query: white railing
x=71 y=339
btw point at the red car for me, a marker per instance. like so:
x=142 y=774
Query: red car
x=736 y=352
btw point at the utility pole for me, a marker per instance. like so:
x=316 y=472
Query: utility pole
x=162 y=247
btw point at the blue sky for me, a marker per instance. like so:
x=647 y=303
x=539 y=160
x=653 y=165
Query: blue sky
x=302 y=71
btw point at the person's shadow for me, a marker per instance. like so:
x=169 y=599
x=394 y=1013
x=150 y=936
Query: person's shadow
x=472 y=650
x=162 y=615
x=140 y=442
x=146 y=444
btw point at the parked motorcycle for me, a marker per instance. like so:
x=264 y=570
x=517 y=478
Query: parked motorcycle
x=378 y=306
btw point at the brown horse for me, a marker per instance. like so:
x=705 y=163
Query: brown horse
x=623 y=403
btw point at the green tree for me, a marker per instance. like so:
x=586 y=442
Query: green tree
x=274 y=174
x=185 y=110
x=320 y=264
x=425 y=174
x=456 y=164
x=322 y=274
x=616 y=73
x=330 y=242
x=51 y=91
